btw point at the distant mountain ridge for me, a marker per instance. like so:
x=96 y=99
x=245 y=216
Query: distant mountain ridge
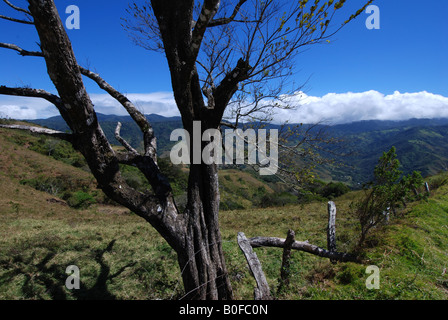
x=422 y=144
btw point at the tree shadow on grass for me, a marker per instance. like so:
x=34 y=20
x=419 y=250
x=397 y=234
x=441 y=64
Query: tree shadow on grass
x=100 y=291
x=53 y=278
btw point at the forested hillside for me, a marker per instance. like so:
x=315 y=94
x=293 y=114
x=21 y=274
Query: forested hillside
x=422 y=144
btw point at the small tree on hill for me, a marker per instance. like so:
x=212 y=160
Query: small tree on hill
x=384 y=194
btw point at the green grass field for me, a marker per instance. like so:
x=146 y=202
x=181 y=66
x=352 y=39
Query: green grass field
x=120 y=256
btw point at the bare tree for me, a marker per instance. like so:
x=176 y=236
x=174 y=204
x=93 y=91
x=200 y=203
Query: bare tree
x=234 y=55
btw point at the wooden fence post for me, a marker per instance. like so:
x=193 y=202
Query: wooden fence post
x=331 y=230
x=262 y=291
x=286 y=260
x=427 y=188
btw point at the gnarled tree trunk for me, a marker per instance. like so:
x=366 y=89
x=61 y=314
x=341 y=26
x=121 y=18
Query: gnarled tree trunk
x=202 y=262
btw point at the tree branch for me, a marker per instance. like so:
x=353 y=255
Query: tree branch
x=33 y=93
x=228 y=86
x=16 y=20
x=208 y=11
x=16 y=7
x=122 y=141
x=148 y=132
x=223 y=21
x=21 y=51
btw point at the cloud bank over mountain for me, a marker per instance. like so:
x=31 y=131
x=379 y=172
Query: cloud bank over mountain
x=336 y=108
x=332 y=108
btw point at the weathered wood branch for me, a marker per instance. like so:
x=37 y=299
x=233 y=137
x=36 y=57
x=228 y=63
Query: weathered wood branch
x=227 y=88
x=262 y=292
x=21 y=51
x=257 y=242
x=32 y=93
x=122 y=141
x=91 y=141
x=44 y=131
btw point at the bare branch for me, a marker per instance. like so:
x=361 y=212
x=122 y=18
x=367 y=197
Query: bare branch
x=122 y=141
x=16 y=7
x=33 y=93
x=16 y=20
x=222 y=21
x=21 y=51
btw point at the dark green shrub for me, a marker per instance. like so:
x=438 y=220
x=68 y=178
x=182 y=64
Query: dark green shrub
x=276 y=200
x=334 y=190
x=81 y=200
x=230 y=205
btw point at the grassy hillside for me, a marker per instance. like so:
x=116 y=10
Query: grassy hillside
x=121 y=257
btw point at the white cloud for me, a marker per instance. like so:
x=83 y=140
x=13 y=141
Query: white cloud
x=161 y=103
x=25 y=108
x=347 y=107
x=332 y=108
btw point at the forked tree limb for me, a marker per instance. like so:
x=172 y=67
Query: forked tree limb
x=149 y=140
x=223 y=21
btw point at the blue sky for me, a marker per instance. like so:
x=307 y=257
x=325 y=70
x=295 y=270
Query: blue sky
x=360 y=68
